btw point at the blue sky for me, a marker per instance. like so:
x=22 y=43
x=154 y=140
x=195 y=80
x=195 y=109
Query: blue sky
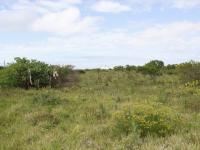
x=100 y=33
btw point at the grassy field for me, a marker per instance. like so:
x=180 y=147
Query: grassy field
x=82 y=117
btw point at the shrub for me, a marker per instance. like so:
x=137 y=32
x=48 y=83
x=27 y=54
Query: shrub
x=189 y=71
x=129 y=68
x=152 y=68
x=170 y=69
x=40 y=73
x=118 y=68
x=192 y=83
x=123 y=122
x=25 y=73
x=147 y=119
x=66 y=76
x=155 y=119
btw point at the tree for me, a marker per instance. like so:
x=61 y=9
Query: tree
x=118 y=68
x=129 y=68
x=170 y=69
x=152 y=68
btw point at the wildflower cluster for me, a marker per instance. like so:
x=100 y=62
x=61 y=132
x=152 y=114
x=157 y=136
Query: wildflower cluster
x=148 y=119
x=192 y=83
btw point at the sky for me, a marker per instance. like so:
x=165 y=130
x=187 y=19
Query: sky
x=100 y=33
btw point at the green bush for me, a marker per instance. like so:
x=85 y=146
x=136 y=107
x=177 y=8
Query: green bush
x=27 y=73
x=189 y=71
x=155 y=119
x=170 y=69
x=152 y=68
x=123 y=123
x=118 y=68
x=65 y=76
x=129 y=68
x=147 y=119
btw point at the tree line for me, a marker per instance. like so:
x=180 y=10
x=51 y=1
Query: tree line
x=187 y=71
x=27 y=73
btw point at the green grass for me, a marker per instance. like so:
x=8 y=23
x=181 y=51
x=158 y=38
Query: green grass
x=81 y=117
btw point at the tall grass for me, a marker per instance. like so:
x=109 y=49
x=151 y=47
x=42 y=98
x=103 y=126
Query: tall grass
x=81 y=116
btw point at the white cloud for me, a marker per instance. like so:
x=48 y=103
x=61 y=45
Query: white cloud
x=173 y=42
x=84 y=45
x=41 y=6
x=110 y=6
x=116 y=6
x=66 y=22
x=74 y=1
x=15 y=20
x=58 y=17
x=146 y=5
x=185 y=4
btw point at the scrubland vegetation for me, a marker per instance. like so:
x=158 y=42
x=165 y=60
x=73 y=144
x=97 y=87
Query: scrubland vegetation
x=150 y=107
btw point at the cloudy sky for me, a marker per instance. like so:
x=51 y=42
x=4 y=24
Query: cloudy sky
x=100 y=33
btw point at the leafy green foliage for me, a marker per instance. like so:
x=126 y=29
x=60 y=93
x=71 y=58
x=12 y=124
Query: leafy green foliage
x=65 y=75
x=170 y=69
x=118 y=68
x=155 y=119
x=130 y=67
x=153 y=68
x=189 y=71
x=147 y=119
x=23 y=71
x=27 y=73
x=123 y=123
x=40 y=72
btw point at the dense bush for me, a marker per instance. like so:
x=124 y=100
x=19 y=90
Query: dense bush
x=27 y=73
x=66 y=76
x=130 y=67
x=153 y=68
x=169 y=69
x=118 y=68
x=189 y=71
x=24 y=73
x=124 y=122
x=147 y=119
x=155 y=119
